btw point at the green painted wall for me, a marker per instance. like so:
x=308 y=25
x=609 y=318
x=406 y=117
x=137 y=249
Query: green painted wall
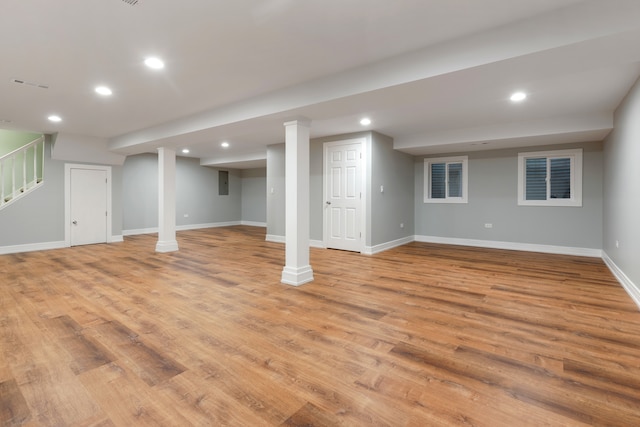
x=10 y=140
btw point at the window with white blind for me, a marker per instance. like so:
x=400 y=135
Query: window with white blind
x=445 y=180
x=550 y=178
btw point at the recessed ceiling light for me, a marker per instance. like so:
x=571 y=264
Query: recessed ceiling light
x=155 y=63
x=185 y=150
x=225 y=144
x=518 y=96
x=365 y=122
x=103 y=90
x=54 y=118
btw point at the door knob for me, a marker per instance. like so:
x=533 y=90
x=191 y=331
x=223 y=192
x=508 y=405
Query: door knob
x=328 y=202
x=75 y=222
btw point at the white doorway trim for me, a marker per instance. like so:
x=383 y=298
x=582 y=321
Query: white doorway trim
x=67 y=198
x=363 y=183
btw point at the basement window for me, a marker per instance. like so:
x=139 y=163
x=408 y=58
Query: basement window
x=446 y=180
x=550 y=178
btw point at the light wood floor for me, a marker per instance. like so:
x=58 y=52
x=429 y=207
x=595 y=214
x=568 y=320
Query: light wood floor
x=421 y=335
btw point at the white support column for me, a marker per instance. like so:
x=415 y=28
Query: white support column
x=297 y=270
x=166 y=201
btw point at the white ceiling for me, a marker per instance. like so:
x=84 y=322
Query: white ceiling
x=435 y=75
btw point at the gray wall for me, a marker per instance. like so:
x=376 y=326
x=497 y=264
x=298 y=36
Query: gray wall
x=622 y=187
x=493 y=179
x=196 y=193
x=254 y=195
x=140 y=192
x=275 y=190
x=39 y=216
x=394 y=171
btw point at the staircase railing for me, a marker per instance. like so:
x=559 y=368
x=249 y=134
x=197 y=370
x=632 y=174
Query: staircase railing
x=21 y=171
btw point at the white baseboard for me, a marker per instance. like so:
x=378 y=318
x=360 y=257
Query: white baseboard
x=296 y=276
x=253 y=223
x=136 y=231
x=528 y=247
x=31 y=247
x=154 y=230
x=317 y=244
x=117 y=239
x=370 y=250
x=632 y=289
x=275 y=238
x=208 y=225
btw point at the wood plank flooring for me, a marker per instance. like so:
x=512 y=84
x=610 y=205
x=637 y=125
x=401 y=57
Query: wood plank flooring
x=420 y=335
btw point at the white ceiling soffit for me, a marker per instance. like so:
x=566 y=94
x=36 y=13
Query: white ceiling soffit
x=429 y=73
x=500 y=59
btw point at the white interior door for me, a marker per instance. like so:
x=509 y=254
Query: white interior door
x=88 y=206
x=343 y=195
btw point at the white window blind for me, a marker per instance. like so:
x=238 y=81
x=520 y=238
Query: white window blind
x=445 y=180
x=550 y=178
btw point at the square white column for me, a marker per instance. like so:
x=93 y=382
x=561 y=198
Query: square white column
x=297 y=270
x=166 y=201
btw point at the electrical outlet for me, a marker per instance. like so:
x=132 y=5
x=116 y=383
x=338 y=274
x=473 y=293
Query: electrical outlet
x=488 y=225
x=617 y=244
x=402 y=225
x=186 y=215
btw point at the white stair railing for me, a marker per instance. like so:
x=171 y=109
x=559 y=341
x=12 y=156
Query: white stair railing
x=21 y=171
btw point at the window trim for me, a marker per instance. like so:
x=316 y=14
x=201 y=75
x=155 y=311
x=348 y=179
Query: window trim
x=575 y=156
x=464 y=160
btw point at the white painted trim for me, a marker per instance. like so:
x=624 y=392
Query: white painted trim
x=136 y=231
x=207 y=225
x=632 y=289
x=317 y=244
x=528 y=247
x=296 y=276
x=30 y=247
x=117 y=239
x=253 y=223
x=274 y=238
x=67 y=198
x=167 y=246
x=370 y=250
x=153 y=230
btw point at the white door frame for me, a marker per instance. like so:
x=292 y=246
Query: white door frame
x=363 y=183
x=67 y=198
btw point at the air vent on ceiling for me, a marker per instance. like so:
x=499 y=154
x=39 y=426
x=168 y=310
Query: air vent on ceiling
x=131 y=2
x=24 y=82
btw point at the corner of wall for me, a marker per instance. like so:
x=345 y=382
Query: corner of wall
x=632 y=289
